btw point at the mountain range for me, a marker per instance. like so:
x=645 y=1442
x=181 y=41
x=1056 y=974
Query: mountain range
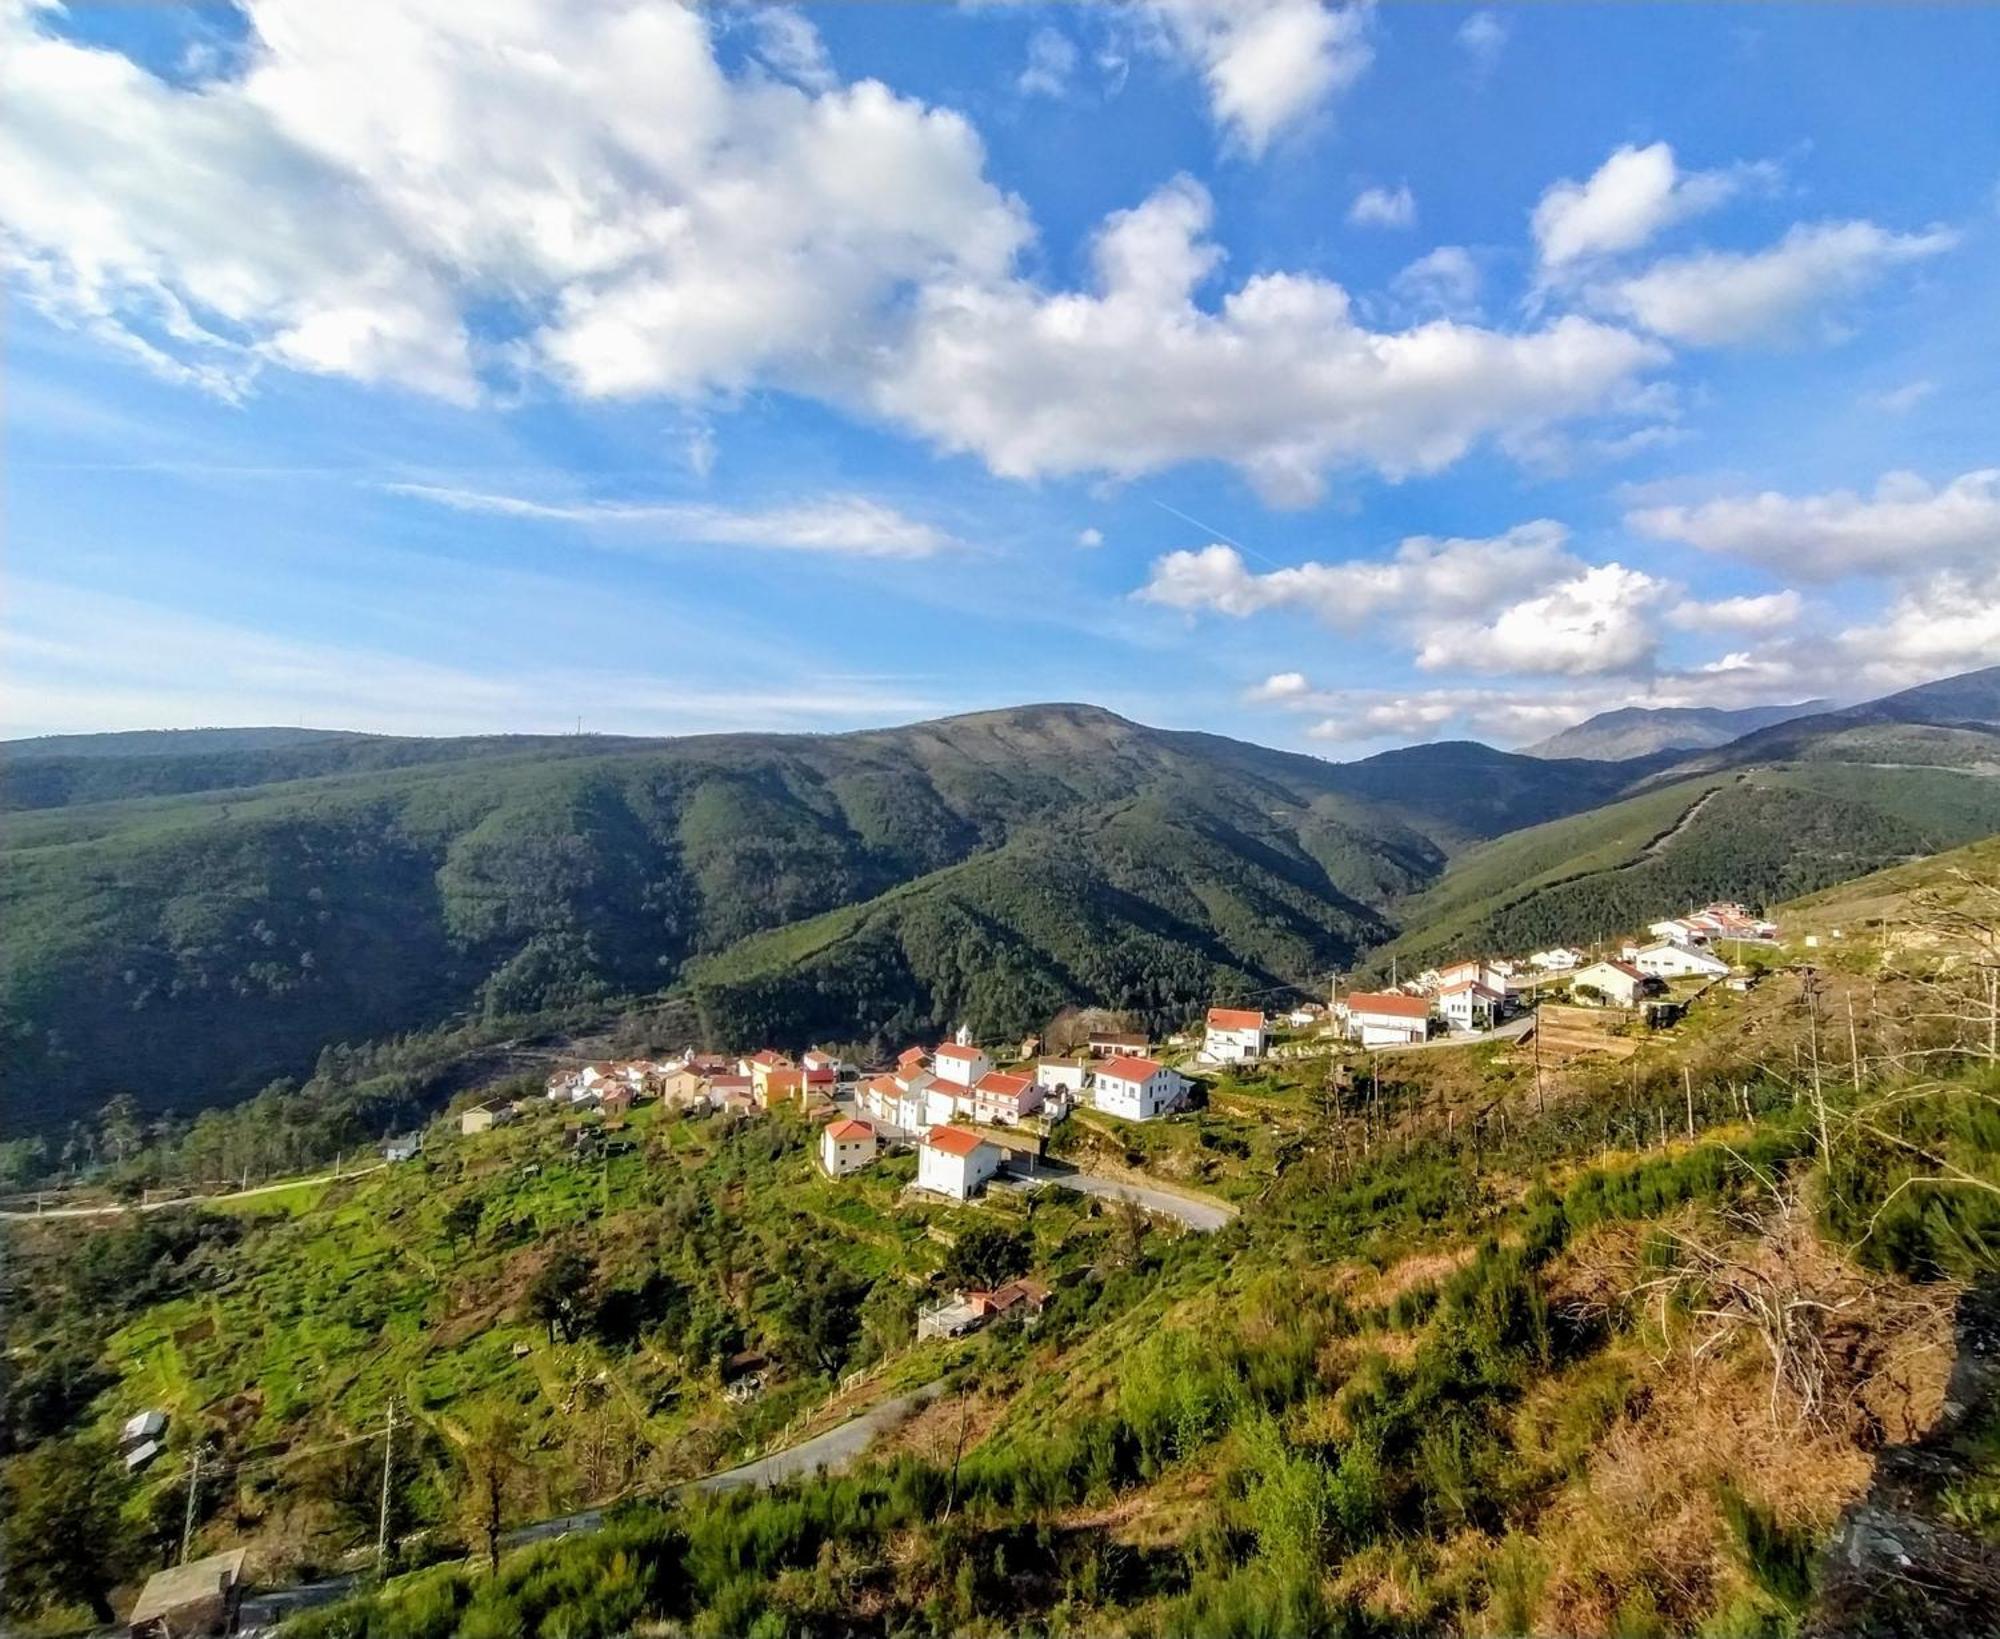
x=191 y=915
x=1641 y=731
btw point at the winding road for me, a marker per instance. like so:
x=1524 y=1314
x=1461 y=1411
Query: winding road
x=832 y=1451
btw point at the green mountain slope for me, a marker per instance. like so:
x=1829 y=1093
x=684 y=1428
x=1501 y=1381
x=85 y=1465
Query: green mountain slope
x=1759 y=835
x=190 y=947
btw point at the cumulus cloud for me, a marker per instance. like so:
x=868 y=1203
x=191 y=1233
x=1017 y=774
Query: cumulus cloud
x=1718 y=297
x=1384 y=208
x=1090 y=537
x=846 y=525
x=1279 y=686
x=637 y=220
x=1426 y=578
x=1906 y=525
x=1939 y=624
x=1770 y=612
x=1279 y=378
x=1596 y=622
x=626 y=219
x=1623 y=203
x=1266 y=64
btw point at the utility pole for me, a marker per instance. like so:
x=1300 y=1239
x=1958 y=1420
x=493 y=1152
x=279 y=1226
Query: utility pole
x=187 y=1519
x=382 y=1525
x=1853 y=1044
x=1687 y=1087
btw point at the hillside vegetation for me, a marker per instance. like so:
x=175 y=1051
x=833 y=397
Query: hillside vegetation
x=189 y=948
x=1648 y=1347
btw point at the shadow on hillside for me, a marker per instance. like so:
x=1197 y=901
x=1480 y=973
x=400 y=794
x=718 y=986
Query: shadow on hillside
x=1899 y=1565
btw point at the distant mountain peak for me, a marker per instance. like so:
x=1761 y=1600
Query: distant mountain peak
x=1643 y=731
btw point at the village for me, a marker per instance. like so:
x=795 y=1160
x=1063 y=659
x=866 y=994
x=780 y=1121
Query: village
x=982 y=1114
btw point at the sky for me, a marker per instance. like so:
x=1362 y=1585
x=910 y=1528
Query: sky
x=1334 y=376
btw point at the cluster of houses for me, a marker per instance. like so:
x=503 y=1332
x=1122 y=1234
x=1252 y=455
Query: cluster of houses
x=1479 y=993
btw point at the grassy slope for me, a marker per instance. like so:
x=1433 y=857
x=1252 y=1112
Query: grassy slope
x=1760 y=835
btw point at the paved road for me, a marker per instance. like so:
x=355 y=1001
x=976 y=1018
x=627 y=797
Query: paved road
x=1197 y=1212
x=165 y=1202
x=833 y=1451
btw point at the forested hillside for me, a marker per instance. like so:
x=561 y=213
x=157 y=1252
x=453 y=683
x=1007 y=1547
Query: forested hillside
x=189 y=948
x=189 y=945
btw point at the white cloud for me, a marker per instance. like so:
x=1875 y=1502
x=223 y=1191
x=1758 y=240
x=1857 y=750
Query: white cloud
x=1426 y=580
x=1091 y=537
x=1446 y=281
x=378 y=168
x=628 y=220
x=1943 y=623
x=1050 y=66
x=1717 y=297
x=1901 y=400
x=1278 y=379
x=1482 y=37
x=847 y=525
x=1384 y=208
x=1771 y=612
x=1599 y=621
x=1267 y=64
x=1629 y=198
x=1279 y=686
x=1904 y=526
x=791 y=47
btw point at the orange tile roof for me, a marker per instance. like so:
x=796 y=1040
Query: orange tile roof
x=1234 y=1018
x=953 y=1140
x=1128 y=1070
x=1000 y=1084
x=1389 y=1003
x=951 y=1050
x=851 y=1129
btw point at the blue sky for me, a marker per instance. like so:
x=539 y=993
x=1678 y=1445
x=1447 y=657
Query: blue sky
x=1332 y=376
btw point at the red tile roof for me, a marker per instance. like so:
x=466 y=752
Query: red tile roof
x=1389 y=1004
x=851 y=1129
x=1000 y=1084
x=886 y=1087
x=1234 y=1018
x=953 y=1140
x=768 y=1056
x=1128 y=1070
x=912 y=1055
x=951 y=1050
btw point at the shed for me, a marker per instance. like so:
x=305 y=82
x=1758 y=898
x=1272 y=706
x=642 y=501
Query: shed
x=199 y=1597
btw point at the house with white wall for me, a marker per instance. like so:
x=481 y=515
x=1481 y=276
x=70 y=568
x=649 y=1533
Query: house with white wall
x=1137 y=1089
x=1667 y=960
x=1002 y=1099
x=955 y=1163
x=1234 y=1036
x=1618 y=982
x=1470 y=1005
x=960 y=1065
x=894 y=1102
x=1388 y=1018
x=846 y=1146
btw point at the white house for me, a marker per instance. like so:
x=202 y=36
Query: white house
x=1620 y=983
x=896 y=1101
x=962 y=1065
x=1667 y=960
x=1387 y=1018
x=1234 y=1036
x=846 y=1146
x=1558 y=960
x=1062 y=1075
x=1002 y=1099
x=1675 y=930
x=954 y=1162
x=1138 y=1089
x=1470 y=1005
x=1477 y=971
